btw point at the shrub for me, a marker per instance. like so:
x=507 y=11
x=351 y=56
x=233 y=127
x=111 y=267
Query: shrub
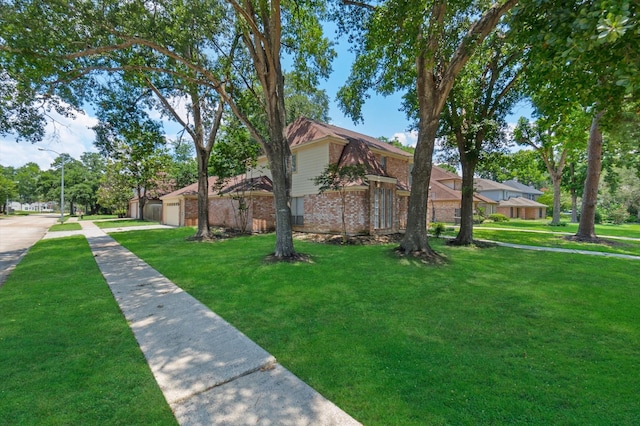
x=477 y=219
x=438 y=229
x=497 y=217
x=561 y=223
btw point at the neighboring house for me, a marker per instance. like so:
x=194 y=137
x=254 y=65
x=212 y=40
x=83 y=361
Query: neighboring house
x=512 y=202
x=376 y=205
x=152 y=209
x=445 y=197
x=527 y=191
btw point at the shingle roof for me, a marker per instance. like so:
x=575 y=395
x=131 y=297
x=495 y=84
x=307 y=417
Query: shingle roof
x=489 y=185
x=525 y=189
x=236 y=183
x=520 y=202
x=305 y=130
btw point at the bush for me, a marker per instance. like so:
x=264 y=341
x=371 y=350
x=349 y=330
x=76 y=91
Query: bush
x=497 y=217
x=478 y=219
x=438 y=229
x=561 y=223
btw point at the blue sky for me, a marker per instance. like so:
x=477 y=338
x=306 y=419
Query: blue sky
x=381 y=118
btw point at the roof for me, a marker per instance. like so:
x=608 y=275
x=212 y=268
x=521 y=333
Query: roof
x=520 y=202
x=305 y=130
x=226 y=186
x=441 y=192
x=489 y=185
x=438 y=173
x=525 y=189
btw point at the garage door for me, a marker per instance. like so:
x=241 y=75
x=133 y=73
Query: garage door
x=172 y=213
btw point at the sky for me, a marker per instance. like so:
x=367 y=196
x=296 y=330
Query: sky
x=382 y=117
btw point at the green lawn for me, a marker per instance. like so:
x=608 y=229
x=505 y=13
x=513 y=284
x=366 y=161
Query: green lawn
x=99 y=216
x=555 y=240
x=496 y=336
x=631 y=230
x=67 y=355
x=123 y=223
x=74 y=226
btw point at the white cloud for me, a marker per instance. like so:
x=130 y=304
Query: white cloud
x=72 y=136
x=407 y=138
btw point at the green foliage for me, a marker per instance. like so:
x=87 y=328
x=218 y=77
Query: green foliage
x=438 y=229
x=497 y=217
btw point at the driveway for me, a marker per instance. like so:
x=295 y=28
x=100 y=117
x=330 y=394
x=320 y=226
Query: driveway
x=17 y=235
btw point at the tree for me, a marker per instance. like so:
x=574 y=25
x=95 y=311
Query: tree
x=420 y=49
x=525 y=166
x=554 y=139
x=115 y=188
x=7 y=187
x=338 y=178
x=585 y=53
x=231 y=48
x=26 y=180
x=473 y=119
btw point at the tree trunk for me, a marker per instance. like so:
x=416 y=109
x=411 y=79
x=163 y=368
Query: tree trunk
x=279 y=157
x=202 y=158
x=415 y=238
x=586 y=228
x=556 y=178
x=465 y=233
x=574 y=195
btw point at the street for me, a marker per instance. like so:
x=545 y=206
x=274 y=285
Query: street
x=17 y=234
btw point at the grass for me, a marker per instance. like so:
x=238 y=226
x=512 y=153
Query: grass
x=74 y=226
x=67 y=355
x=555 y=240
x=99 y=216
x=496 y=336
x=631 y=230
x=124 y=223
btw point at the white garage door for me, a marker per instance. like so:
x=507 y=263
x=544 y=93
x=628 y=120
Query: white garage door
x=172 y=213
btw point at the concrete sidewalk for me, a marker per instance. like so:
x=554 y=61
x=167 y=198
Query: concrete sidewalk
x=210 y=373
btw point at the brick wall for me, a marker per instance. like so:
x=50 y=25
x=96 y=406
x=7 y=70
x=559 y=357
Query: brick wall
x=445 y=211
x=323 y=212
x=398 y=169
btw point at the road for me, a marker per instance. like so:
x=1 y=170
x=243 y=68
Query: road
x=17 y=235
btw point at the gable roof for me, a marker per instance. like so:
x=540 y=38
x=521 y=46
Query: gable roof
x=305 y=130
x=489 y=185
x=357 y=152
x=525 y=189
x=226 y=186
x=438 y=173
x=520 y=202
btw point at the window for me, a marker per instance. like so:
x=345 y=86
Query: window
x=383 y=208
x=383 y=163
x=297 y=211
x=294 y=162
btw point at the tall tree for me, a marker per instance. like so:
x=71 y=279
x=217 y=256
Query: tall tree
x=555 y=139
x=586 y=53
x=419 y=47
x=26 y=179
x=473 y=119
x=67 y=44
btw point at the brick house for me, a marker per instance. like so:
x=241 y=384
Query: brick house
x=514 y=201
x=375 y=206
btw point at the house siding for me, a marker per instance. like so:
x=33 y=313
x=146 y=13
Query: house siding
x=311 y=163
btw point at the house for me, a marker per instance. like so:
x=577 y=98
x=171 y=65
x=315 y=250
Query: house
x=445 y=197
x=527 y=191
x=512 y=201
x=376 y=205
